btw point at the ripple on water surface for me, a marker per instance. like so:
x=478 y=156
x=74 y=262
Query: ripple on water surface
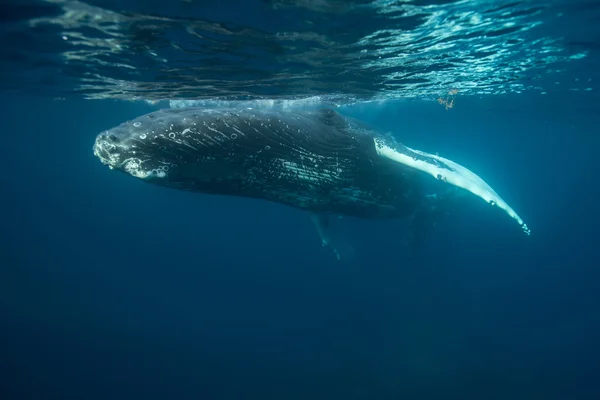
x=288 y=49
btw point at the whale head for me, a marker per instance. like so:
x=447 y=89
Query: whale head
x=143 y=147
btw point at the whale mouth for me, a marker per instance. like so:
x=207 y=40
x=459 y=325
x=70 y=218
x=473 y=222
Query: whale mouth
x=107 y=151
x=112 y=152
x=118 y=155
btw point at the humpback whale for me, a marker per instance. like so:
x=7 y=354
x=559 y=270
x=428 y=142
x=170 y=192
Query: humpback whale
x=316 y=160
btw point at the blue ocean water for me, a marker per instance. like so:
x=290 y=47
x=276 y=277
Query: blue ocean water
x=113 y=288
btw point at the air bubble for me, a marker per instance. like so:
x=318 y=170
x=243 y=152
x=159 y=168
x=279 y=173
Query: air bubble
x=233 y=136
x=172 y=135
x=267 y=147
x=143 y=136
x=137 y=124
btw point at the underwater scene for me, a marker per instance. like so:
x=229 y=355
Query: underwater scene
x=300 y=199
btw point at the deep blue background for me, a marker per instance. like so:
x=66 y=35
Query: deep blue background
x=113 y=288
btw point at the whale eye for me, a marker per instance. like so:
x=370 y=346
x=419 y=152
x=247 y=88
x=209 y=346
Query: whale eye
x=113 y=138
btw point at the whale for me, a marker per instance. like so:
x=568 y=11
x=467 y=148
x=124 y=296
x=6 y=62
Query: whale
x=318 y=160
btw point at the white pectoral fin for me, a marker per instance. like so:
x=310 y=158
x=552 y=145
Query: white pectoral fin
x=447 y=171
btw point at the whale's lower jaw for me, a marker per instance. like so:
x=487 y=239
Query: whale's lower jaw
x=447 y=171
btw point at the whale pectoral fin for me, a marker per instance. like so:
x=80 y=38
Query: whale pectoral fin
x=329 y=239
x=446 y=171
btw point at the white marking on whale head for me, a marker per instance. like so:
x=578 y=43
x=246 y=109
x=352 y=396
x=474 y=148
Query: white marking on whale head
x=121 y=154
x=133 y=166
x=450 y=172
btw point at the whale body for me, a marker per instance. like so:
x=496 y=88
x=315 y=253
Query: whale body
x=316 y=160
